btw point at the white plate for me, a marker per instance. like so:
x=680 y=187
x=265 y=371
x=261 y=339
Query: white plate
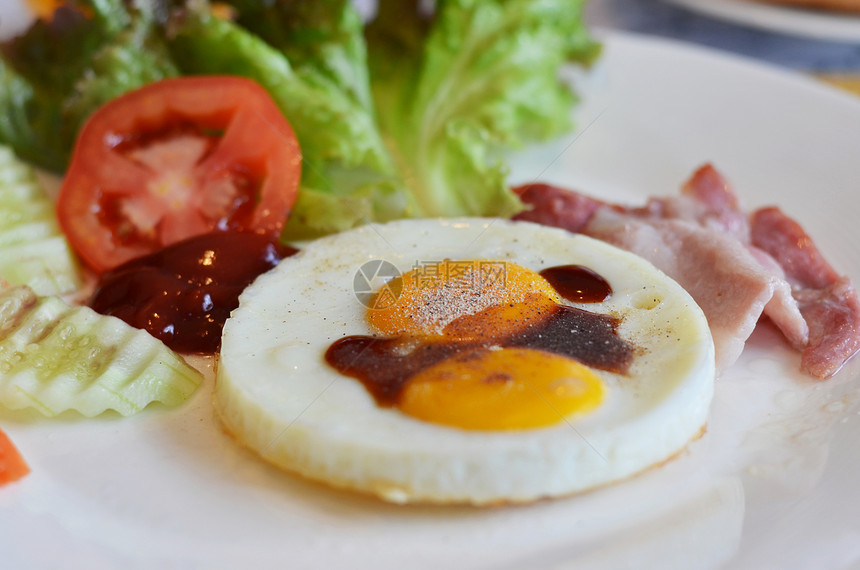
x=772 y=481
x=816 y=24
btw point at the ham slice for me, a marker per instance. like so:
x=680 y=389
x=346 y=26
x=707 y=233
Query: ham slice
x=783 y=309
x=719 y=272
x=557 y=207
x=706 y=200
x=827 y=301
x=737 y=268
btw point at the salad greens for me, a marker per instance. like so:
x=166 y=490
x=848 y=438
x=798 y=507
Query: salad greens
x=480 y=76
x=407 y=115
x=59 y=72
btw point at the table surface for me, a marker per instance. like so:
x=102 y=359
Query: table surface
x=836 y=62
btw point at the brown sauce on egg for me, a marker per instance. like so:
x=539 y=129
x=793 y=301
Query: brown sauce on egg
x=384 y=365
x=590 y=338
x=577 y=283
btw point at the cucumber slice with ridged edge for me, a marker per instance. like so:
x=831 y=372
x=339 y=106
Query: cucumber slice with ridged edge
x=33 y=250
x=55 y=357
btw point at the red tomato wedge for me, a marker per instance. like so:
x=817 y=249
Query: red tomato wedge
x=12 y=465
x=175 y=159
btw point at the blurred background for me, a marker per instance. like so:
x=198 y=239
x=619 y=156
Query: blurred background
x=820 y=42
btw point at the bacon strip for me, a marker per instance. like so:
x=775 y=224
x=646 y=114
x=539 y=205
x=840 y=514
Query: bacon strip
x=720 y=273
x=736 y=267
x=706 y=199
x=556 y=207
x=828 y=301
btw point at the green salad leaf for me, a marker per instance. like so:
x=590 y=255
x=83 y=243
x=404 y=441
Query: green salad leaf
x=322 y=38
x=450 y=90
x=57 y=73
x=407 y=116
x=330 y=124
x=348 y=175
x=31 y=124
x=481 y=76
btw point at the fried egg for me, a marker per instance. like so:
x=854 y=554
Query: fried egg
x=488 y=419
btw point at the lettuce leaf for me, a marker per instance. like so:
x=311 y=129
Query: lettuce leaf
x=479 y=77
x=324 y=37
x=408 y=116
x=348 y=176
x=450 y=92
x=56 y=74
x=331 y=126
x=30 y=124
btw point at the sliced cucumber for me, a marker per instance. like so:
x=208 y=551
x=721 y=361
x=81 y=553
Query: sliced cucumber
x=33 y=250
x=54 y=358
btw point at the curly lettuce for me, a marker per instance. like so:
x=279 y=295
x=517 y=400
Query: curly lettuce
x=311 y=58
x=407 y=116
x=477 y=77
x=60 y=71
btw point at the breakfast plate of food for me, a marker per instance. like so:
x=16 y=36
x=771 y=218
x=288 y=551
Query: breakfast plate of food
x=625 y=343
x=835 y=20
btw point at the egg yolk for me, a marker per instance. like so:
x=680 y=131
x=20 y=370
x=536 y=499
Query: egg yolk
x=489 y=297
x=502 y=389
x=478 y=304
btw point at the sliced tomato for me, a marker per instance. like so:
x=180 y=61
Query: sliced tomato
x=12 y=465
x=175 y=159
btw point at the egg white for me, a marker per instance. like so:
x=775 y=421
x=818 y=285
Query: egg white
x=278 y=396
